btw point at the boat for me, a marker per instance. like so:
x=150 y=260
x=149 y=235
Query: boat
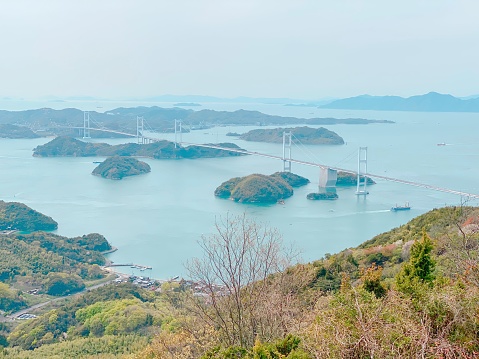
x=441 y=144
x=280 y=201
x=406 y=207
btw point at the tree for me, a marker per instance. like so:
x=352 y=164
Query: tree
x=235 y=281
x=420 y=267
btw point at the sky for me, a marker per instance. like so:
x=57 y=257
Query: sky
x=303 y=49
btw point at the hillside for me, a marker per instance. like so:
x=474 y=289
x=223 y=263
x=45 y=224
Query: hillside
x=17 y=216
x=13 y=131
x=118 y=167
x=305 y=135
x=257 y=188
x=431 y=102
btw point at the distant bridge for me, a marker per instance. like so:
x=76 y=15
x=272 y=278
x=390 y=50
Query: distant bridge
x=328 y=174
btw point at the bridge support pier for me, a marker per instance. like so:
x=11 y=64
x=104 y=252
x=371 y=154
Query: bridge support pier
x=86 y=124
x=178 y=130
x=287 y=140
x=327 y=178
x=362 y=170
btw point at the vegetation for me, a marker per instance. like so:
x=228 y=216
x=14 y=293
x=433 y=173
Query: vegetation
x=257 y=188
x=305 y=135
x=118 y=167
x=17 y=216
x=70 y=147
x=410 y=292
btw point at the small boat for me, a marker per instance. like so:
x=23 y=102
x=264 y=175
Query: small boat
x=441 y=144
x=406 y=207
x=280 y=201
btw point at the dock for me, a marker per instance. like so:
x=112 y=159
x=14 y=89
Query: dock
x=131 y=265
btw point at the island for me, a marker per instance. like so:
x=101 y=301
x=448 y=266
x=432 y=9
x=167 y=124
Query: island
x=14 y=131
x=258 y=188
x=118 y=167
x=66 y=146
x=305 y=135
x=15 y=216
x=322 y=196
x=346 y=179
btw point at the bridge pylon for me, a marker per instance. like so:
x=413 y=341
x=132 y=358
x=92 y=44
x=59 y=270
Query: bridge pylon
x=178 y=130
x=362 y=169
x=139 y=129
x=287 y=140
x=86 y=124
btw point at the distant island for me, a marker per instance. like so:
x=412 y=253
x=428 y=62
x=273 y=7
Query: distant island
x=258 y=188
x=69 y=121
x=20 y=217
x=14 y=131
x=186 y=104
x=118 y=167
x=306 y=135
x=430 y=102
x=65 y=146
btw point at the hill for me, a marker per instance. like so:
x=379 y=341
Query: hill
x=13 y=131
x=17 y=216
x=118 y=167
x=306 y=135
x=257 y=188
x=431 y=102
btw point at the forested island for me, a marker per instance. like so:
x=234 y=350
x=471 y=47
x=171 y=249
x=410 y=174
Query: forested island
x=346 y=179
x=66 y=146
x=411 y=290
x=305 y=135
x=14 y=131
x=70 y=121
x=118 y=167
x=258 y=188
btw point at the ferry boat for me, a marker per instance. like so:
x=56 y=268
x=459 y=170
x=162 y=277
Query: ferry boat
x=406 y=207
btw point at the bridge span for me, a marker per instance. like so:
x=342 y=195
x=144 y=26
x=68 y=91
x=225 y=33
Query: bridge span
x=286 y=150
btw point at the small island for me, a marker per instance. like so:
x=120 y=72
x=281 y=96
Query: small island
x=322 y=196
x=305 y=135
x=346 y=179
x=118 y=167
x=258 y=188
x=15 y=216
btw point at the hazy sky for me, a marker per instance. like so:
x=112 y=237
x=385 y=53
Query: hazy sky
x=307 y=49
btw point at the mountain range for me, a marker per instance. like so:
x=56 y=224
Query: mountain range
x=430 y=102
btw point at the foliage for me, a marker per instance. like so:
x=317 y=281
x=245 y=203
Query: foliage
x=17 y=216
x=59 y=284
x=106 y=347
x=10 y=300
x=419 y=270
x=350 y=179
x=292 y=179
x=117 y=167
x=14 y=131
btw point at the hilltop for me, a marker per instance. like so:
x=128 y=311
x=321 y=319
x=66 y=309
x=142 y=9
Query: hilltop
x=117 y=167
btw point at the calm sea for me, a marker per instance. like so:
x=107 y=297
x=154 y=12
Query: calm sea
x=157 y=219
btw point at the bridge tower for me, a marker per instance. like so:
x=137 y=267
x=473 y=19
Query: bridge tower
x=178 y=130
x=362 y=170
x=86 y=124
x=287 y=140
x=139 y=129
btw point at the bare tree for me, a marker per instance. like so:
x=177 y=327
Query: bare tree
x=236 y=280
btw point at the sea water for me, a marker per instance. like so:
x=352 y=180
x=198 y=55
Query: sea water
x=158 y=218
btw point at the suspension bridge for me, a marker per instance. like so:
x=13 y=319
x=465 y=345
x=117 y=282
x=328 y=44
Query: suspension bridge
x=328 y=174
